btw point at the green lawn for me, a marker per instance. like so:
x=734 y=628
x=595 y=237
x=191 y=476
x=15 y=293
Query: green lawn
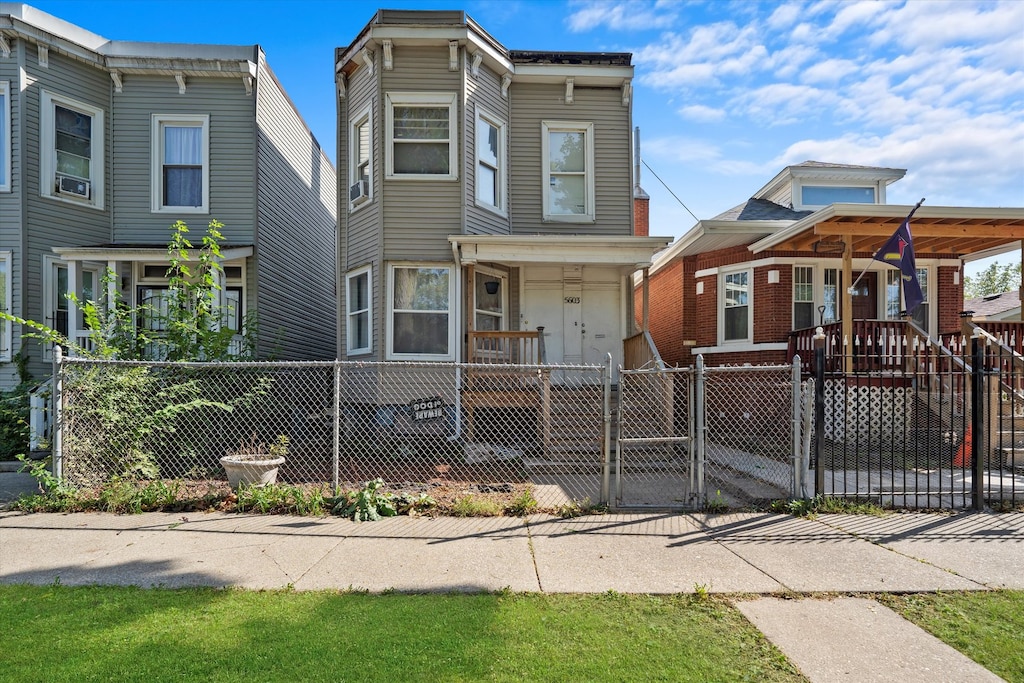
x=988 y=627
x=59 y=633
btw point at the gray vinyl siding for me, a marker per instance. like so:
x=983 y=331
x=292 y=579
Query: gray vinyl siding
x=11 y=233
x=533 y=103
x=232 y=156
x=295 y=240
x=360 y=233
x=50 y=222
x=420 y=214
x=483 y=92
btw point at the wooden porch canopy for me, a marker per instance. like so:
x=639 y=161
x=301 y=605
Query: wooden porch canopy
x=843 y=230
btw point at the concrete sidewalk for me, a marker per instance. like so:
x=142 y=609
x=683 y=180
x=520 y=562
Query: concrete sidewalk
x=747 y=553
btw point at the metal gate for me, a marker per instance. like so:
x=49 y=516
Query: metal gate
x=724 y=436
x=654 y=462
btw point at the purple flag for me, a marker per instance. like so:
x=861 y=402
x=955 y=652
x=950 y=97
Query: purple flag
x=898 y=252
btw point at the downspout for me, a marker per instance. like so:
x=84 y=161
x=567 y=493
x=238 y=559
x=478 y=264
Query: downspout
x=458 y=366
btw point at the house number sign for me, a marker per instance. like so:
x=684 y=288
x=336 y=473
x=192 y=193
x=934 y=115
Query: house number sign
x=572 y=299
x=426 y=409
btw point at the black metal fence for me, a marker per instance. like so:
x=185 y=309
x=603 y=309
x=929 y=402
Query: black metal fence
x=939 y=424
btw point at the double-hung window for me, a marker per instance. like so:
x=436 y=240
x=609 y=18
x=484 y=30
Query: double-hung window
x=419 y=309
x=5 y=136
x=803 y=297
x=361 y=164
x=71 y=150
x=920 y=315
x=57 y=287
x=359 y=334
x=490 y=162
x=736 y=306
x=422 y=136
x=181 y=163
x=567 y=153
x=5 y=305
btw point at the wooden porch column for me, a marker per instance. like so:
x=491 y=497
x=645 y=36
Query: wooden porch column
x=113 y=282
x=846 y=311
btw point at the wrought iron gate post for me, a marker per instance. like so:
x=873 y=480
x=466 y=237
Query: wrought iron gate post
x=980 y=379
x=819 y=410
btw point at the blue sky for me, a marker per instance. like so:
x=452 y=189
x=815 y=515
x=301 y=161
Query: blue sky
x=726 y=93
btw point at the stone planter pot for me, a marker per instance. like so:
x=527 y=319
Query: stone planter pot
x=250 y=472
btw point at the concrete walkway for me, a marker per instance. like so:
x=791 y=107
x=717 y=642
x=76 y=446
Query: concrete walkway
x=763 y=556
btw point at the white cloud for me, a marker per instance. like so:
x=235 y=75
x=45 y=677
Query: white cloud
x=829 y=71
x=782 y=103
x=701 y=113
x=620 y=16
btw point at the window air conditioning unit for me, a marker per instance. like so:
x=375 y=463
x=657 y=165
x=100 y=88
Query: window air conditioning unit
x=73 y=186
x=359 y=191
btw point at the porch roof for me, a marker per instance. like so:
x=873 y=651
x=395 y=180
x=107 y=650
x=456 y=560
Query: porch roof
x=968 y=232
x=632 y=253
x=109 y=252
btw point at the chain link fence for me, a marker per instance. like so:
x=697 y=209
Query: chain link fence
x=346 y=423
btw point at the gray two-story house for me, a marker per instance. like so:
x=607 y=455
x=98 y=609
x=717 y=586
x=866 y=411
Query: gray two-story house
x=484 y=193
x=104 y=144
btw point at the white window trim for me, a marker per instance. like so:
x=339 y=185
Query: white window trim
x=814 y=294
x=722 y=341
x=452 y=313
x=501 y=203
x=365 y=116
x=5 y=137
x=798 y=191
x=587 y=129
x=48 y=151
x=157 y=156
x=503 y=279
x=421 y=98
x=359 y=272
x=50 y=264
x=7 y=336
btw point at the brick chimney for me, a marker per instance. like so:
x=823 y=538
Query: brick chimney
x=641 y=200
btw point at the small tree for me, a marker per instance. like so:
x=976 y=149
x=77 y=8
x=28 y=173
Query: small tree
x=995 y=279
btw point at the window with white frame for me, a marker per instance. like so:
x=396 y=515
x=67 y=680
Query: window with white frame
x=823 y=195
x=489 y=297
x=71 y=150
x=181 y=163
x=830 y=296
x=920 y=315
x=361 y=161
x=568 y=171
x=359 y=314
x=56 y=289
x=490 y=161
x=5 y=305
x=422 y=136
x=419 y=309
x=893 y=292
x=736 y=306
x=5 y=136
x=803 y=297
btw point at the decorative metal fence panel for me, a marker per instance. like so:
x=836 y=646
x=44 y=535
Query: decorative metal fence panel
x=413 y=425
x=906 y=436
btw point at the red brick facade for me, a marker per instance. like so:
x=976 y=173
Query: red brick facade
x=680 y=318
x=641 y=216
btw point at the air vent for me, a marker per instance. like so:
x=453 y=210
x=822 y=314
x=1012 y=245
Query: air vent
x=73 y=186
x=359 y=191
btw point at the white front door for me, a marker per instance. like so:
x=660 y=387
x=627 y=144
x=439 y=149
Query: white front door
x=580 y=310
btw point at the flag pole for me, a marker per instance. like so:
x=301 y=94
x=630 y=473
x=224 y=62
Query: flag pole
x=853 y=287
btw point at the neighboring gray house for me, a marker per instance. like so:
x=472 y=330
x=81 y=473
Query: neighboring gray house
x=483 y=193
x=104 y=144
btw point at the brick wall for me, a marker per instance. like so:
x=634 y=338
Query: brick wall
x=950 y=299
x=641 y=216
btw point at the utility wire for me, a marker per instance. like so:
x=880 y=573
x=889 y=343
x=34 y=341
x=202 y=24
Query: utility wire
x=670 y=190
